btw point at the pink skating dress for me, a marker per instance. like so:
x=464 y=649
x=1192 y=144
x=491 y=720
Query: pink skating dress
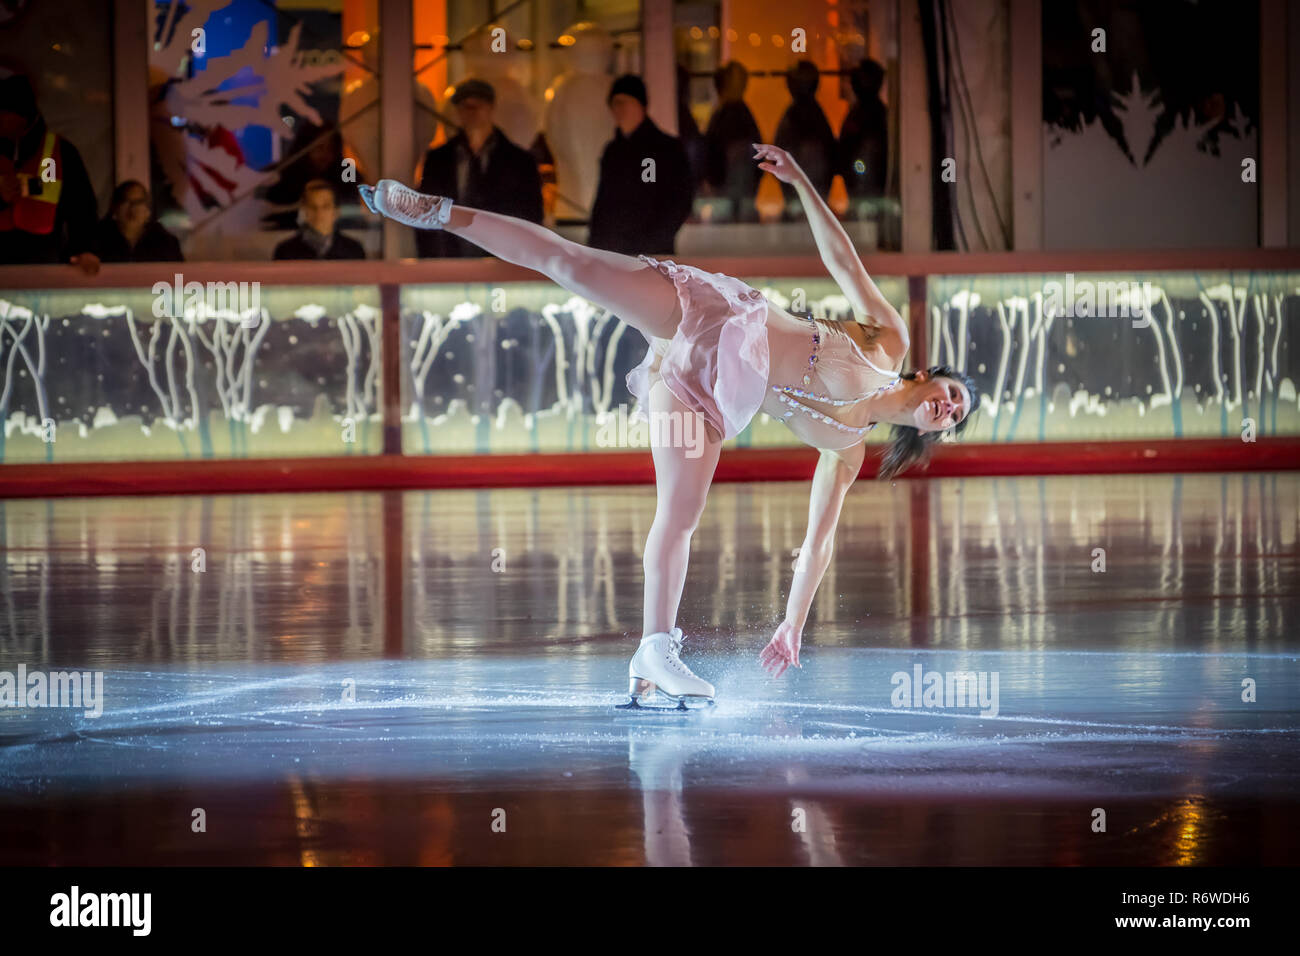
x=734 y=354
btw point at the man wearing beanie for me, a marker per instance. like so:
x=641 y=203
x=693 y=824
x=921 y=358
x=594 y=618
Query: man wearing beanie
x=47 y=204
x=639 y=206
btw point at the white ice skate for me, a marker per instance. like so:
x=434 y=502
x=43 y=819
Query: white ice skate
x=390 y=198
x=657 y=665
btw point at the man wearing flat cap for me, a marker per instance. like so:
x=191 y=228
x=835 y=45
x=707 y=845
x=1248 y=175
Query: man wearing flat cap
x=639 y=205
x=478 y=167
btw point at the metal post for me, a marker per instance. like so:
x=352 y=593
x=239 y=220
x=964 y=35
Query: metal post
x=660 y=66
x=913 y=131
x=396 y=112
x=1274 y=129
x=1026 y=124
x=130 y=91
x=390 y=299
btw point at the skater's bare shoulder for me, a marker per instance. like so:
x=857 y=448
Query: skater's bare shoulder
x=884 y=343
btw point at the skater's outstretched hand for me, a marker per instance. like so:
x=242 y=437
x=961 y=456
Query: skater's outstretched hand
x=782 y=650
x=777 y=162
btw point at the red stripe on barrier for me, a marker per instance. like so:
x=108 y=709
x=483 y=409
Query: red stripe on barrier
x=622 y=467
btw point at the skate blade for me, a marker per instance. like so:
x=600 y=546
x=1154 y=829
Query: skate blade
x=634 y=706
x=368 y=197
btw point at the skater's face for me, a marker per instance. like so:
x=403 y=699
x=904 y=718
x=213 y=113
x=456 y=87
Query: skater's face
x=319 y=211
x=628 y=111
x=937 y=403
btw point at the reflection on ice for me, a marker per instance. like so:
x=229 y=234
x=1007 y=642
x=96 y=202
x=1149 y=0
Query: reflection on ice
x=1065 y=722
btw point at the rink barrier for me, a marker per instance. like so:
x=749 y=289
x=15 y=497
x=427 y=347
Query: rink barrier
x=393 y=469
x=388 y=472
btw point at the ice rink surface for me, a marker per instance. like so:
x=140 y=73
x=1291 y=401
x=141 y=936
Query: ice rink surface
x=272 y=682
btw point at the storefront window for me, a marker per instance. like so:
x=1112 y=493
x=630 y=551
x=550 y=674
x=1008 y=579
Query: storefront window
x=248 y=103
x=820 y=82
x=62 y=51
x=549 y=68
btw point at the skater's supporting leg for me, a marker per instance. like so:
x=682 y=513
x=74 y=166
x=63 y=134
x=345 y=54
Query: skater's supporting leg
x=635 y=292
x=682 y=484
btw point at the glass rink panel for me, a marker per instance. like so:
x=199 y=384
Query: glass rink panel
x=241 y=372
x=1087 y=356
x=110 y=374
x=521 y=367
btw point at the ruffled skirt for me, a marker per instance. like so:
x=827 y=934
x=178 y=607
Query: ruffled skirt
x=717 y=362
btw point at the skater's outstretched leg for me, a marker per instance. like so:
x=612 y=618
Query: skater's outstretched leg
x=624 y=285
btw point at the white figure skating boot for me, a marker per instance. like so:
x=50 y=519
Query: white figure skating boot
x=390 y=198
x=657 y=665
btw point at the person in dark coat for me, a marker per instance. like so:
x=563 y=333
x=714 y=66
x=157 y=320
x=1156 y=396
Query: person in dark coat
x=732 y=132
x=478 y=167
x=319 y=237
x=47 y=209
x=632 y=215
x=864 y=137
x=130 y=233
x=805 y=133
x=321 y=159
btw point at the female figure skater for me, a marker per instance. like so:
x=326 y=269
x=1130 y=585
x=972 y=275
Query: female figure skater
x=721 y=352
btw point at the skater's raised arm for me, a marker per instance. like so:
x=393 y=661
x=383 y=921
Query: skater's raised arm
x=836 y=472
x=838 y=254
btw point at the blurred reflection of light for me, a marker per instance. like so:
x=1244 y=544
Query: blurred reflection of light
x=1189 y=819
x=304 y=821
x=1191 y=823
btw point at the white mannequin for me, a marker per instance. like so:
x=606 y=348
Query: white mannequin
x=577 y=120
x=517 y=111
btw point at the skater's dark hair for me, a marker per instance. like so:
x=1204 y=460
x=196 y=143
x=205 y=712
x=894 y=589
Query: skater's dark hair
x=907 y=445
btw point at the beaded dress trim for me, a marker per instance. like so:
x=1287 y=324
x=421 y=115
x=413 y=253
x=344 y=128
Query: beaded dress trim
x=790 y=396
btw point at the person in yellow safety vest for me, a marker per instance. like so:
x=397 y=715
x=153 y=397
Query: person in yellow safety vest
x=47 y=204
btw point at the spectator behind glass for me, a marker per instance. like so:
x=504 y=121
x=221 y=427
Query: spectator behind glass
x=864 y=137
x=478 y=167
x=318 y=236
x=129 y=233
x=47 y=210
x=631 y=215
x=730 y=168
x=322 y=162
x=805 y=133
